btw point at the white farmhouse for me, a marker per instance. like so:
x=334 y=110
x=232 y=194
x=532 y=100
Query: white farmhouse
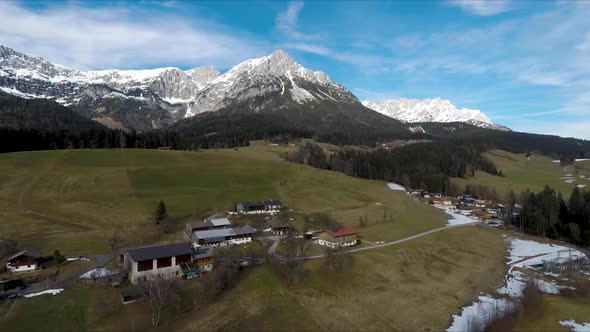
x=23 y=261
x=260 y=207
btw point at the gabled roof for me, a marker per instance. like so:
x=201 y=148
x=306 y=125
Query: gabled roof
x=26 y=252
x=159 y=251
x=344 y=231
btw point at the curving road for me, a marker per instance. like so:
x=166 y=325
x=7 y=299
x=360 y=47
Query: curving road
x=272 y=249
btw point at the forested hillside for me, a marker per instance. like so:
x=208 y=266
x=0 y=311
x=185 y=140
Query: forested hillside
x=511 y=141
x=424 y=165
x=41 y=114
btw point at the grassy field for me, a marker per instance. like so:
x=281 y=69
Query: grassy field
x=75 y=200
x=556 y=309
x=534 y=172
x=384 y=289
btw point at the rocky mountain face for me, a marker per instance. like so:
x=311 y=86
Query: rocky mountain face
x=150 y=99
x=431 y=110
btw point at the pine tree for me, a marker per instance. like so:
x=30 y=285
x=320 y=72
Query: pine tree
x=160 y=213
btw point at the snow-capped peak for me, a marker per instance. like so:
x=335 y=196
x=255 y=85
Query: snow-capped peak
x=274 y=82
x=427 y=110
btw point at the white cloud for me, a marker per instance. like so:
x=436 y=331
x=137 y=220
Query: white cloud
x=483 y=7
x=286 y=22
x=87 y=38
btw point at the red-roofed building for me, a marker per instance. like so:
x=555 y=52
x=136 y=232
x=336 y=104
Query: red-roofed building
x=341 y=237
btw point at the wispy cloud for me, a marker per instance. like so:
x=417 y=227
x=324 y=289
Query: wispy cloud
x=286 y=22
x=88 y=38
x=483 y=7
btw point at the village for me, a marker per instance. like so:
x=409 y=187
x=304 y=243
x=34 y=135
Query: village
x=265 y=225
x=188 y=259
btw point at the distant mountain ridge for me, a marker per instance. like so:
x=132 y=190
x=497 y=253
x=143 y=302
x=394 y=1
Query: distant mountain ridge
x=155 y=98
x=431 y=110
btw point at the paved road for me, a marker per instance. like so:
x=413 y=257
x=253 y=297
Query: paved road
x=392 y=243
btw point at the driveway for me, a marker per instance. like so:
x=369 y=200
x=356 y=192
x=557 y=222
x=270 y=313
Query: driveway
x=391 y=243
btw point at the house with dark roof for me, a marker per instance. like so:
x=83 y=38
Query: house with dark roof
x=260 y=207
x=163 y=261
x=282 y=229
x=206 y=225
x=340 y=237
x=223 y=237
x=24 y=261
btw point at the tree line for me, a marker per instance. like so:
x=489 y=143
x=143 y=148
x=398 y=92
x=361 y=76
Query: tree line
x=548 y=214
x=421 y=165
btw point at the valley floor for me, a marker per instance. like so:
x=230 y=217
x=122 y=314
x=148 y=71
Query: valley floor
x=75 y=201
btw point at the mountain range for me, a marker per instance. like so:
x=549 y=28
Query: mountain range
x=157 y=98
x=431 y=110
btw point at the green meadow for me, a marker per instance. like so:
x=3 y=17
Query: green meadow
x=75 y=200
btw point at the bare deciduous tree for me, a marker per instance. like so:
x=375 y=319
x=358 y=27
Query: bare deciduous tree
x=156 y=293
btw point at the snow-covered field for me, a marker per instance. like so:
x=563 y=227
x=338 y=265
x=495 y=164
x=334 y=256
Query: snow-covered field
x=457 y=218
x=49 y=291
x=575 y=327
x=521 y=249
x=396 y=187
x=522 y=254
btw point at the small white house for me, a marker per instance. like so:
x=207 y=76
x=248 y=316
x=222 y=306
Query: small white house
x=23 y=261
x=341 y=237
x=163 y=261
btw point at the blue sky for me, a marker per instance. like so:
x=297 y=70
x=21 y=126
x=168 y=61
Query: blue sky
x=525 y=64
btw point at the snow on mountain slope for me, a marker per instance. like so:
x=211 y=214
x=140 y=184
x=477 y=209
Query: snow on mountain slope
x=427 y=110
x=253 y=84
x=276 y=74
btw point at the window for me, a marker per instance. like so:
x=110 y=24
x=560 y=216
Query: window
x=164 y=262
x=145 y=265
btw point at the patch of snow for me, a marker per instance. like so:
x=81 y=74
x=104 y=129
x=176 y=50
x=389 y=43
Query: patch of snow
x=575 y=327
x=395 y=186
x=515 y=283
x=520 y=249
x=100 y=272
x=581 y=159
x=18 y=93
x=581 y=185
x=299 y=95
x=457 y=218
x=478 y=312
x=49 y=291
x=123 y=96
x=172 y=100
x=71 y=259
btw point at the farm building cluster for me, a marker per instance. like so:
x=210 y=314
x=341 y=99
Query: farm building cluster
x=467 y=205
x=192 y=257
